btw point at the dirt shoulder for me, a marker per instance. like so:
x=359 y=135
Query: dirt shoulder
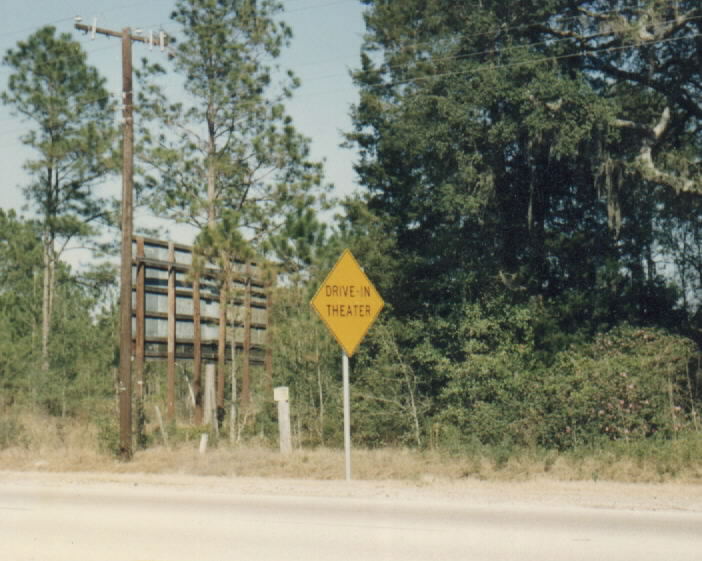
x=543 y=492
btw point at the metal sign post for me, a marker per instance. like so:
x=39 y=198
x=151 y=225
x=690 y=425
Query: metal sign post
x=347 y=415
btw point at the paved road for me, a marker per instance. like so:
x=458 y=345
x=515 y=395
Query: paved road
x=126 y=521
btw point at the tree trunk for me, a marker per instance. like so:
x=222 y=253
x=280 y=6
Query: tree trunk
x=47 y=301
x=211 y=180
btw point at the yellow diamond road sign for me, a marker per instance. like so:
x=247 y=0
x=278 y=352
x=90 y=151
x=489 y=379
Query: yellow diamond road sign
x=347 y=302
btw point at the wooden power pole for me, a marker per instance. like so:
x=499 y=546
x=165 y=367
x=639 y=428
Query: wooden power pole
x=125 y=292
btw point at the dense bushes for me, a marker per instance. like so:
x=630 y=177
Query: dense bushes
x=489 y=384
x=628 y=383
x=514 y=230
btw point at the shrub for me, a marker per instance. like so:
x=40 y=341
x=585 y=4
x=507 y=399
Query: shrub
x=629 y=383
x=12 y=433
x=107 y=435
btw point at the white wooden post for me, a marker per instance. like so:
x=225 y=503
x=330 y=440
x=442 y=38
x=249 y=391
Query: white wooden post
x=209 y=415
x=280 y=395
x=203 y=442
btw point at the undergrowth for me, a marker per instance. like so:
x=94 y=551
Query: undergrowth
x=54 y=444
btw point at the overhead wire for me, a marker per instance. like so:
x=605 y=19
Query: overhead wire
x=34 y=27
x=545 y=59
x=440 y=75
x=525 y=46
x=338 y=2
x=474 y=70
x=114 y=8
x=464 y=55
x=84 y=40
x=126 y=6
x=443 y=75
x=524 y=26
x=317 y=6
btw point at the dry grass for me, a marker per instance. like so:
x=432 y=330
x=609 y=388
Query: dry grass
x=72 y=445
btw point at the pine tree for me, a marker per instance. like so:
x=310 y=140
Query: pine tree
x=230 y=145
x=70 y=115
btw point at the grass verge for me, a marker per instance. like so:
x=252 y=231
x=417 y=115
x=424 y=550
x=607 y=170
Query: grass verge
x=32 y=442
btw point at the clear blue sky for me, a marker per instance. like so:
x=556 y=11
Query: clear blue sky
x=326 y=45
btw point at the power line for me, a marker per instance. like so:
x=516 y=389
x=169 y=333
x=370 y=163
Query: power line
x=119 y=7
x=479 y=69
x=86 y=40
x=34 y=28
x=317 y=6
x=141 y=3
x=524 y=46
x=500 y=29
x=519 y=63
x=542 y=60
x=158 y=25
x=521 y=27
x=461 y=56
x=457 y=73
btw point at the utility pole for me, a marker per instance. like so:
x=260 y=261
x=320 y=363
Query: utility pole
x=125 y=292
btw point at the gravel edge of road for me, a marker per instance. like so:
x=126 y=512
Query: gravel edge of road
x=543 y=492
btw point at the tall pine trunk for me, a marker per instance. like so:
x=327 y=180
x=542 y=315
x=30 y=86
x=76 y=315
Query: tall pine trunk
x=47 y=300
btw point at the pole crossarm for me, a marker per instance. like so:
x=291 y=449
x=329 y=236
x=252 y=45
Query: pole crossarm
x=118 y=34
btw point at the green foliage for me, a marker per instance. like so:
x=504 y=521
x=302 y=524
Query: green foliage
x=231 y=149
x=71 y=129
x=521 y=193
x=493 y=375
x=108 y=441
x=20 y=304
x=630 y=383
x=393 y=375
x=308 y=361
x=12 y=433
x=299 y=242
x=82 y=350
x=82 y=354
x=502 y=148
x=530 y=215
x=71 y=132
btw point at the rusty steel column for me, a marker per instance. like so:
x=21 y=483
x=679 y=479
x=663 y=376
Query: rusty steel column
x=139 y=342
x=170 y=379
x=197 y=352
x=269 y=336
x=139 y=336
x=246 y=358
x=221 y=351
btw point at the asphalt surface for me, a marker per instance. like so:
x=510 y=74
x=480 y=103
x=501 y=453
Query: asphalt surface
x=76 y=518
